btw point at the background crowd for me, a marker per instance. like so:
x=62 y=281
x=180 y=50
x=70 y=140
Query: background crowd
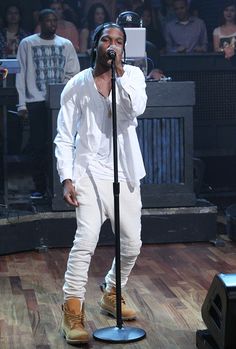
x=172 y=26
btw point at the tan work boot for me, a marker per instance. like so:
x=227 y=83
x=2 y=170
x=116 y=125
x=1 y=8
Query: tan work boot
x=73 y=322
x=108 y=304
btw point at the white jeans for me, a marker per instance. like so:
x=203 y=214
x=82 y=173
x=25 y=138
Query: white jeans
x=96 y=205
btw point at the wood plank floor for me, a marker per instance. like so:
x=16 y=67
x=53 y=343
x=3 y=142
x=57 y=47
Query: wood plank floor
x=167 y=287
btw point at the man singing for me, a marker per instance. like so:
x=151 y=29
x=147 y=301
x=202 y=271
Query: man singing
x=84 y=151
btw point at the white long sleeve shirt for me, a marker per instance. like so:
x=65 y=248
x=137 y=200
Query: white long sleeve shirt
x=43 y=62
x=79 y=124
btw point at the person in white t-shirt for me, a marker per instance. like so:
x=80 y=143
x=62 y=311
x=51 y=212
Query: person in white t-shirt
x=84 y=151
x=44 y=58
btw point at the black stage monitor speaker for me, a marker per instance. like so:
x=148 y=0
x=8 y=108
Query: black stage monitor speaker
x=219 y=314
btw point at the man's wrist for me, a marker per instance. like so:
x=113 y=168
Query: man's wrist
x=66 y=181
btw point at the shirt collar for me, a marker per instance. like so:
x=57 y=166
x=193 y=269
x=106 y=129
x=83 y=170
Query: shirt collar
x=190 y=20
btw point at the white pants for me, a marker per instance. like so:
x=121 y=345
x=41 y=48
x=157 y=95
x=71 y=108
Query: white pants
x=96 y=205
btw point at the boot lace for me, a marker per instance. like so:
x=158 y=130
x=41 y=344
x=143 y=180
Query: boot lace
x=75 y=320
x=112 y=299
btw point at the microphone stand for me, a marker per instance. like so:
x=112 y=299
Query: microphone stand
x=118 y=333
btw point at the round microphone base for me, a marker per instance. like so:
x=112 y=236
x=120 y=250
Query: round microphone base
x=119 y=335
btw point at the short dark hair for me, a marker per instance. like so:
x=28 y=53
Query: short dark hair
x=98 y=33
x=44 y=13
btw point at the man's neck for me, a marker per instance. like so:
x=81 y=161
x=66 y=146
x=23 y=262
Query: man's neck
x=47 y=36
x=185 y=19
x=103 y=72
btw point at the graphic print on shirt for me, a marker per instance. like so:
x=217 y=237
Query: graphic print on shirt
x=228 y=41
x=49 y=63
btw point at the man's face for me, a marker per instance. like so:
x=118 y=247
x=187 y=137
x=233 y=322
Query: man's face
x=111 y=37
x=181 y=10
x=49 y=24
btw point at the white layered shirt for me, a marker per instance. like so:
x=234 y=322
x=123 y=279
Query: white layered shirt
x=80 y=131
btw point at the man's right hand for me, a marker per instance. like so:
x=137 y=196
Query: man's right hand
x=69 y=193
x=155 y=74
x=181 y=49
x=23 y=113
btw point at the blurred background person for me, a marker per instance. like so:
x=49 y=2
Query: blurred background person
x=10 y=36
x=12 y=33
x=97 y=15
x=72 y=12
x=186 y=33
x=110 y=6
x=224 y=36
x=45 y=58
x=65 y=28
x=154 y=33
x=166 y=12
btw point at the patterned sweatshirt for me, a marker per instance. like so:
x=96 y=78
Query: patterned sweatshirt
x=43 y=62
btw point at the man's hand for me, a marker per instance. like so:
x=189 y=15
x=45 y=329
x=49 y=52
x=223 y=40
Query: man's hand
x=118 y=59
x=155 y=74
x=69 y=193
x=181 y=49
x=199 y=49
x=23 y=114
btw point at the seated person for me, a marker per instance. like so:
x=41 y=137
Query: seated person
x=154 y=33
x=132 y=19
x=97 y=14
x=110 y=7
x=186 y=33
x=12 y=33
x=224 y=36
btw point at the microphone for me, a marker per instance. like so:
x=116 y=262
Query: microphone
x=111 y=53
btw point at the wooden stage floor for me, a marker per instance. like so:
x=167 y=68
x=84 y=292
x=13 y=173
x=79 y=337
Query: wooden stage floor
x=167 y=287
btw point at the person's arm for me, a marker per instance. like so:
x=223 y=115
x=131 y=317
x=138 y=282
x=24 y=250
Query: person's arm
x=21 y=76
x=203 y=40
x=72 y=66
x=170 y=46
x=216 y=40
x=132 y=88
x=74 y=36
x=65 y=141
x=83 y=47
